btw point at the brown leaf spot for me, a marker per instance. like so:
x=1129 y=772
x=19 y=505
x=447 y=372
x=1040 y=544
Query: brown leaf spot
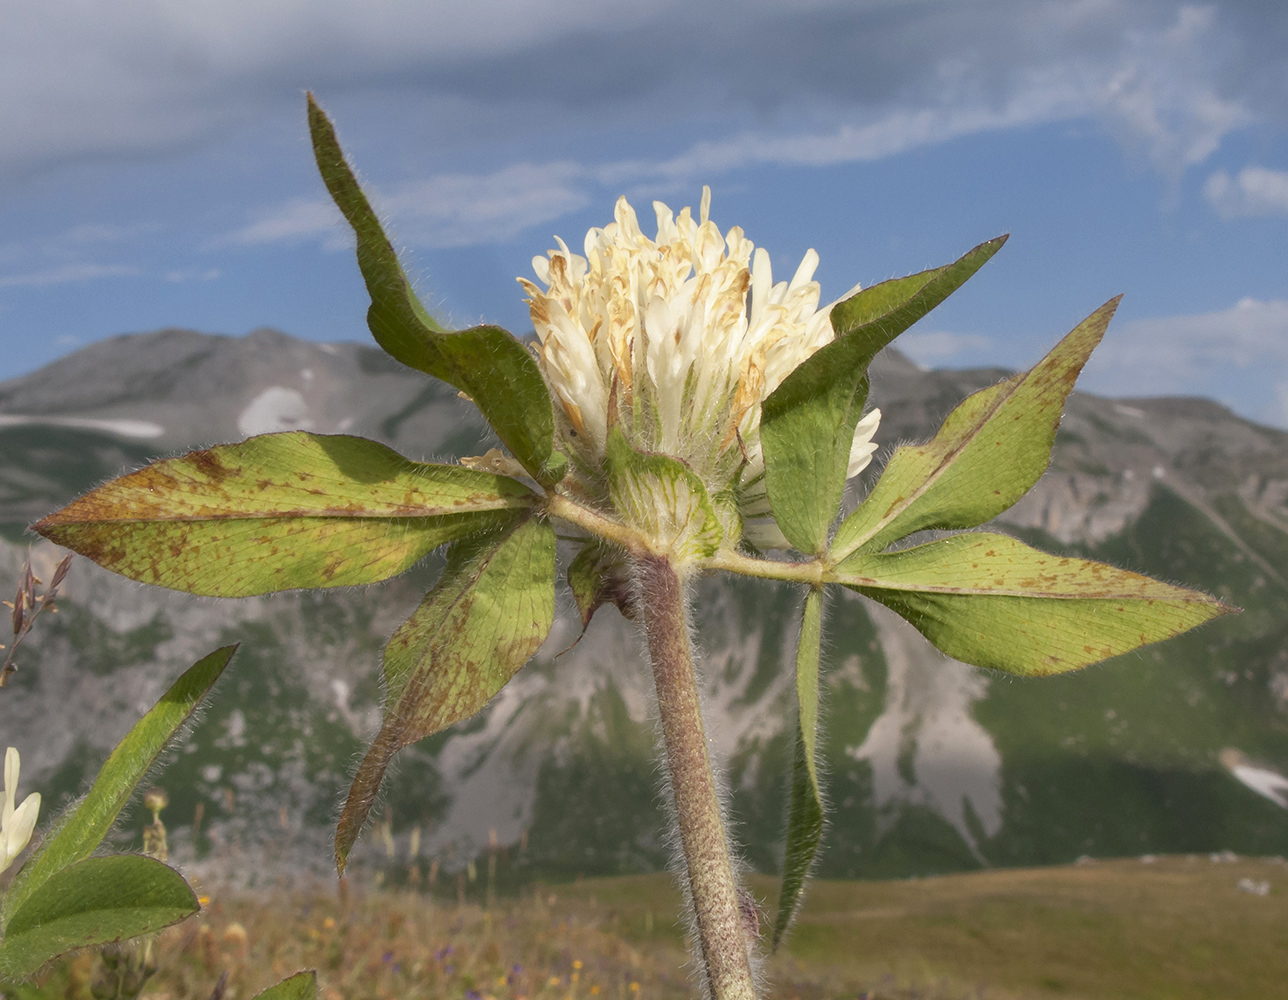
x=209 y=465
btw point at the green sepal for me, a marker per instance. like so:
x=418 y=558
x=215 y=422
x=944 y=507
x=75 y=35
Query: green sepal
x=807 y=423
x=989 y=452
x=663 y=499
x=93 y=902
x=485 y=362
x=79 y=834
x=486 y=616
x=279 y=512
x=805 y=811
x=301 y=986
x=993 y=601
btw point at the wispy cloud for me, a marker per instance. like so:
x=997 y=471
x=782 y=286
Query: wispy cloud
x=298 y=219
x=67 y=274
x=865 y=78
x=192 y=274
x=92 y=233
x=1155 y=87
x=448 y=210
x=934 y=348
x=1247 y=343
x=1253 y=191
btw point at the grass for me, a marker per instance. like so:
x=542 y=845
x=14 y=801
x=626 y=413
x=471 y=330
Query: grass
x=1175 y=929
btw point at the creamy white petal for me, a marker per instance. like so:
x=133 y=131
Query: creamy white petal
x=11 y=766
x=15 y=824
x=863 y=448
x=17 y=832
x=805 y=273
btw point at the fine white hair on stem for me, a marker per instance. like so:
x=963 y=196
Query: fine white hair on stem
x=678 y=863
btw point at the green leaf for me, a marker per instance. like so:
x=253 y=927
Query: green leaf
x=301 y=986
x=807 y=423
x=805 y=813
x=487 y=615
x=990 y=600
x=94 y=901
x=79 y=835
x=598 y=575
x=485 y=362
x=281 y=511
x=662 y=498
x=989 y=452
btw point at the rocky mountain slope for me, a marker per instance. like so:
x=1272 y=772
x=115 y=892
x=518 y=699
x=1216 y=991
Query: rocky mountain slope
x=931 y=765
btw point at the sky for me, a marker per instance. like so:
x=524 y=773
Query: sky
x=155 y=169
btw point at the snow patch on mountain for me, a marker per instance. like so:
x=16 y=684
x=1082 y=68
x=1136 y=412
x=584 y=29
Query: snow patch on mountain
x=277 y=408
x=121 y=428
x=1267 y=783
x=926 y=747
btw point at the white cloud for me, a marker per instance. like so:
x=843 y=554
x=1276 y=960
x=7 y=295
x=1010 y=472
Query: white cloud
x=297 y=219
x=82 y=80
x=67 y=274
x=1254 y=191
x=141 y=77
x=447 y=210
x=457 y=210
x=192 y=274
x=1246 y=344
x=932 y=348
x=1162 y=94
x=1155 y=87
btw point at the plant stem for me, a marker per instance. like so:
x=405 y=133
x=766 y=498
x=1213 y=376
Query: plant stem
x=724 y=954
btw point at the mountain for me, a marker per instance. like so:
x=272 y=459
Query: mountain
x=931 y=765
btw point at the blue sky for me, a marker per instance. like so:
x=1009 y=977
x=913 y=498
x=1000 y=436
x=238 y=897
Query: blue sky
x=156 y=171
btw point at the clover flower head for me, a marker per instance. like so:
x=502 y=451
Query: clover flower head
x=16 y=824
x=677 y=341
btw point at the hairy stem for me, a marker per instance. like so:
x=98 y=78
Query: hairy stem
x=722 y=939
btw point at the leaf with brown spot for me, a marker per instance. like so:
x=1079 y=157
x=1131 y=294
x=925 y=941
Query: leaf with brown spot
x=990 y=600
x=989 y=452
x=488 y=614
x=279 y=512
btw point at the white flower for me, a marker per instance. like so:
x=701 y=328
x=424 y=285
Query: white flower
x=16 y=825
x=677 y=341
